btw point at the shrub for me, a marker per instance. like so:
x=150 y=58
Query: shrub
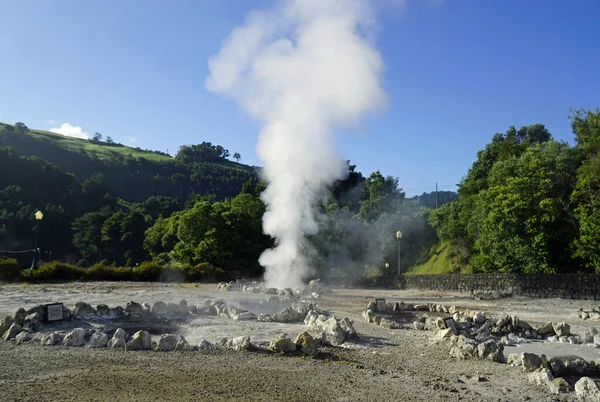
x=101 y=272
x=57 y=271
x=206 y=272
x=147 y=272
x=9 y=270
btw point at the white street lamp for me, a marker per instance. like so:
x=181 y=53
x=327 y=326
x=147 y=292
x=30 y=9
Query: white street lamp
x=398 y=236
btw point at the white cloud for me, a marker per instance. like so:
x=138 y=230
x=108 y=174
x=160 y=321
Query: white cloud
x=132 y=140
x=51 y=123
x=71 y=131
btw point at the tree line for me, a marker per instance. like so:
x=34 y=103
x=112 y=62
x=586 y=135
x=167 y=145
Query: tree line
x=529 y=203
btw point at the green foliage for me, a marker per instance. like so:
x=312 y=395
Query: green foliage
x=56 y=271
x=147 y=272
x=134 y=174
x=10 y=270
x=586 y=126
x=529 y=203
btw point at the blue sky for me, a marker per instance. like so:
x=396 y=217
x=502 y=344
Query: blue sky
x=457 y=71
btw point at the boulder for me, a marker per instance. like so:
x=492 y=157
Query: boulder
x=40 y=309
x=102 y=310
x=183 y=307
x=264 y=318
x=532 y=362
x=75 y=338
x=183 y=345
x=167 y=343
x=334 y=333
x=348 y=326
x=573 y=366
x=5 y=324
x=306 y=343
x=82 y=309
x=24 y=336
x=172 y=308
x=116 y=312
x=55 y=338
x=478 y=317
x=514 y=359
x=442 y=334
x=545 y=329
x=20 y=315
x=205 y=345
x=239 y=343
x=98 y=340
x=118 y=341
x=32 y=322
x=134 y=308
x=283 y=345
x=587 y=390
x=559 y=386
x=561 y=328
x=141 y=340
x=288 y=314
x=206 y=310
x=418 y=325
x=244 y=316
x=491 y=350
x=588 y=335
x=12 y=332
x=541 y=377
x=159 y=308
x=464 y=348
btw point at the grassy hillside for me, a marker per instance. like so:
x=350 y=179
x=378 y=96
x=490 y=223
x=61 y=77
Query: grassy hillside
x=96 y=149
x=133 y=174
x=439 y=263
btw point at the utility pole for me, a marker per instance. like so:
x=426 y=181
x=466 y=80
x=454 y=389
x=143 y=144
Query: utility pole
x=436 y=195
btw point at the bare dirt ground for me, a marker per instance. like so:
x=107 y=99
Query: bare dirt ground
x=385 y=365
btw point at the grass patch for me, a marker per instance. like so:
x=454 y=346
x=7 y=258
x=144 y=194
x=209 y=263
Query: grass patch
x=439 y=263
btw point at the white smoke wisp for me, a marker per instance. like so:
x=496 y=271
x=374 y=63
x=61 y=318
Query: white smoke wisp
x=302 y=68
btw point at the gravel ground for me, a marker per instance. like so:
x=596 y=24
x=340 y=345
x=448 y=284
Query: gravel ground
x=396 y=365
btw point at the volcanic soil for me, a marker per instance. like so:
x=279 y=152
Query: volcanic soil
x=384 y=365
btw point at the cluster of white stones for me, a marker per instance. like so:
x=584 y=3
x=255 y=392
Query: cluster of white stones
x=477 y=336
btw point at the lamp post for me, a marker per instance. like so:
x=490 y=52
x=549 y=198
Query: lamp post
x=38 y=217
x=387 y=266
x=398 y=236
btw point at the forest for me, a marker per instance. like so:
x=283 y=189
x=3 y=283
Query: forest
x=528 y=204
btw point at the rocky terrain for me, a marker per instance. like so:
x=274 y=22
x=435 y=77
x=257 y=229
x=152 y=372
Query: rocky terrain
x=277 y=361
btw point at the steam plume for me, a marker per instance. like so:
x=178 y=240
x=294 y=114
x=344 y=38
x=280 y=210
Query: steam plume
x=302 y=68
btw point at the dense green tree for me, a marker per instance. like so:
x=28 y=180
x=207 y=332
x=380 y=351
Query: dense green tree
x=586 y=126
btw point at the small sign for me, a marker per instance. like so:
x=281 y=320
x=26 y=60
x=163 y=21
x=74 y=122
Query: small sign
x=54 y=312
x=449 y=322
x=380 y=303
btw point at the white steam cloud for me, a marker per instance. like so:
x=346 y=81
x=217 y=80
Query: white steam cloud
x=301 y=68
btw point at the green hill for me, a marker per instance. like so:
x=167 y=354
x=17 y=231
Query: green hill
x=135 y=174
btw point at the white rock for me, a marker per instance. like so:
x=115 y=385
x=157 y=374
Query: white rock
x=141 y=340
x=239 y=343
x=442 y=334
x=98 y=340
x=478 y=317
x=205 y=345
x=282 y=344
x=55 y=338
x=118 y=341
x=12 y=332
x=75 y=338
x=167 y=342
x=561 y=328
x=587 y=390
x=183 y=345
x=541 y=377
x=244 y=316
x=24 y=336
x=418 y=325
